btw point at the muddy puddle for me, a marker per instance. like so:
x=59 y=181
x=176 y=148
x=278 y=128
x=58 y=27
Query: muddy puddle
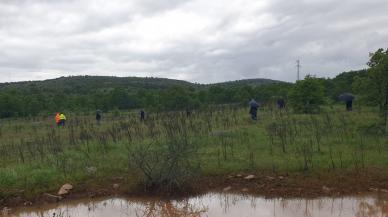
x=214 y=205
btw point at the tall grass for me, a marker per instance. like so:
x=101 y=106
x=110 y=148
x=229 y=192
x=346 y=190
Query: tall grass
x=168 y=149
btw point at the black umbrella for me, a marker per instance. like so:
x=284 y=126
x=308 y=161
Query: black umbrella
x=253 y=103
x=346 y=97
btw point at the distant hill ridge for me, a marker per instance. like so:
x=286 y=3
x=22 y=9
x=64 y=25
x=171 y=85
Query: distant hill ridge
x=251 y=81
x=89 y=83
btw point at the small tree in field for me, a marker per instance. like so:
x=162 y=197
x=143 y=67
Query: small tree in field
x=374 y=87
x=307 y=95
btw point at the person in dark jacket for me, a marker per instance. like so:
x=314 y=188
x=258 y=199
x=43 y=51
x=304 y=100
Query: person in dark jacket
x=254 y=106
x=188 y=112
x=349 y=105
x=348 y=99
x=281 y=103
x=142 y=115
x=98 y=116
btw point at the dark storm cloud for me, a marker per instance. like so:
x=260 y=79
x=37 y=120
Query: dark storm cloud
x=195 y=40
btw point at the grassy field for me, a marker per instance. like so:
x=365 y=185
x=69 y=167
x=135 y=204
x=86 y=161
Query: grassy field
x=170 y=148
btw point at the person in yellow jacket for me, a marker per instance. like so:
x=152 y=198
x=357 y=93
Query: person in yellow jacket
x=62 y=119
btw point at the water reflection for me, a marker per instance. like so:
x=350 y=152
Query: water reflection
x=215 y=205
x=170 y=208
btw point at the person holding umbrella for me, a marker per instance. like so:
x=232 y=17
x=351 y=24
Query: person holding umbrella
x=253 y=109
x=348 y=99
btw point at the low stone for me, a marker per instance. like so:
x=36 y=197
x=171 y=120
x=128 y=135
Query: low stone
x=270 y=178
x=384 y=190
x=250 y=177
x=65 y=189
x=325 y=189
x=373 y=189
x=281 y=177
x=227 y=188
x=116 y=186
x=245 y=190
x=239 y=176
x=27 y=203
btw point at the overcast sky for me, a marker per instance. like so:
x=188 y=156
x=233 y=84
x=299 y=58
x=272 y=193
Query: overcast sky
x=195 y=40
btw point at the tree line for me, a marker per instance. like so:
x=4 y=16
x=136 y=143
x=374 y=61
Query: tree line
x=88 y=93
x=16 y=102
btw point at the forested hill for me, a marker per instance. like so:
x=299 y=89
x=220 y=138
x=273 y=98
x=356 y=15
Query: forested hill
x=87 y=84
x=249 y=82
x=87 y=93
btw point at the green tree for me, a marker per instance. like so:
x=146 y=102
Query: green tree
x=343 y=83
x=10 y=104
x=374 y=86
x=120 y=99
x=307 y=95
x=176 y=98
x=32 y=106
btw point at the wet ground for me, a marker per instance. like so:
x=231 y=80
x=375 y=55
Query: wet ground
x=214 y=205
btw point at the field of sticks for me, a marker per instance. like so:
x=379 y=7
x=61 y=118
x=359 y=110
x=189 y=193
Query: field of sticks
x=168 y=150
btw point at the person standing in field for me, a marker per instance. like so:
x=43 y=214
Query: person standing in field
x=281 y=103
x=57 y=119
x=188 y=112
x=349 y=105
x=98 y=116
x=142 y=115
x=253 y=109
x=348 y=99
x=62 y=119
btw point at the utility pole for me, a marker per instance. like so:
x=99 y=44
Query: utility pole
x=298 y=69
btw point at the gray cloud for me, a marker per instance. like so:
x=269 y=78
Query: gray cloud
x=196 y=40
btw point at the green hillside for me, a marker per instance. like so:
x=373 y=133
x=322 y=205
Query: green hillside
x=88 y=84
x=87 y=93
x=248 y=82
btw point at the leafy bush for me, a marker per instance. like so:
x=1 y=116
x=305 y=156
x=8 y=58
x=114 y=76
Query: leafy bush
x=307 y=95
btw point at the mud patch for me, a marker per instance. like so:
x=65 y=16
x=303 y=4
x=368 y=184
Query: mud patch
x=266 y=185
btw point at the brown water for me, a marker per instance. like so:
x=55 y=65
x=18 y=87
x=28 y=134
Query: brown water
x=215 y=205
